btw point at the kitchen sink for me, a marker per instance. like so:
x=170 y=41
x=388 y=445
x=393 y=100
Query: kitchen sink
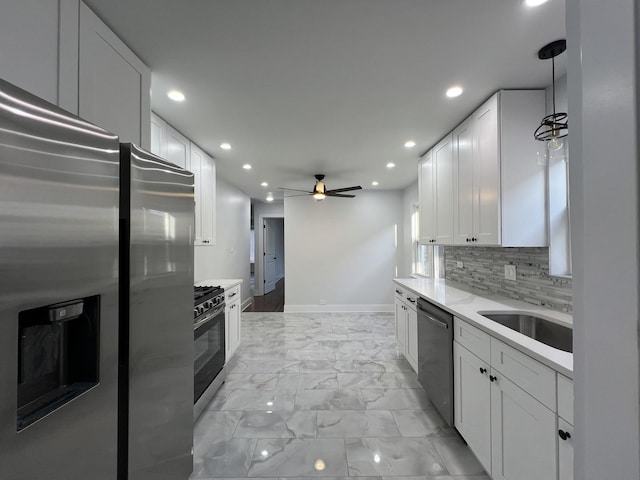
x=538 y=328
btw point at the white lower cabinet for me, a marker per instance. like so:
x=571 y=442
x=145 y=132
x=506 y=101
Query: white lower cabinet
x=232 y=314
x=565 y=450
x=472 y=404
x=505 y=408
x=523 y=434
x=407 y=326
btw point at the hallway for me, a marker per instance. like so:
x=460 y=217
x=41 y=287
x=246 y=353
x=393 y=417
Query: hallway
x=271 y=302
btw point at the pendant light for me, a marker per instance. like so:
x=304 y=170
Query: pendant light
x=554 y=127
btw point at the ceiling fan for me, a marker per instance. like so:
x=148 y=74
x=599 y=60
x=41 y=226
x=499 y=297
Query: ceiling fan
x=319 y=191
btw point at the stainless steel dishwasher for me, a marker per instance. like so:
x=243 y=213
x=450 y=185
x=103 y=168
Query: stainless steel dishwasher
x=435 y=356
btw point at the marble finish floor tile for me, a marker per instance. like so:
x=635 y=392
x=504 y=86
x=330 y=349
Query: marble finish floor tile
x=276 y=424
x=328 y=387
x=396 y=399
x=457 y=457
x=304 y=457
x=393 y=456
x=421 y=423
x=357 y=423
x=329 y=400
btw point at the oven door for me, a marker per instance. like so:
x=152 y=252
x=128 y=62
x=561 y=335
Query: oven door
x=208 y=352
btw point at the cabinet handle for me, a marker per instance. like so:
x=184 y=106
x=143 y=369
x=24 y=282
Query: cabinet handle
x=492 y=378
x=399 y=292
x=564 y=435
x=467 y=240
x=474 y=239
x=412 y=300
x=483 y=370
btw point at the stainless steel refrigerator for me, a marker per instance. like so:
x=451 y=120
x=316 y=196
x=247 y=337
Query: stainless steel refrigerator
x=96 y=302
x=59 y=195
x=156 y=318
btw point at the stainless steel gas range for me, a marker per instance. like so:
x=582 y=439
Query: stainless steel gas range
x=209 y=345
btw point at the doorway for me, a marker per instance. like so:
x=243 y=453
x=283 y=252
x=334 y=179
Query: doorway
x=269 y=258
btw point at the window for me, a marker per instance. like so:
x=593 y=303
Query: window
x=428 y=260
x=559 y=228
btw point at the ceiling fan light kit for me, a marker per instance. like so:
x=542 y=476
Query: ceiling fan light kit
x=320 y=192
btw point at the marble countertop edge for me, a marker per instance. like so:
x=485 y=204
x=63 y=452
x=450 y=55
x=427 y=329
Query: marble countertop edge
x=225 y=283
x=465 y=303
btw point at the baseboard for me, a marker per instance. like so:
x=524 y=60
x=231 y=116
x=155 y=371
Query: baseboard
x=386 y=308
x=247 y=303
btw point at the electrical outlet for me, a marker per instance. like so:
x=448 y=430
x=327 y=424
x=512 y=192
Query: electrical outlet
x=459 y=264
x=510 y=272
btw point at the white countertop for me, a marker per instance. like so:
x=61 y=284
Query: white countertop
x=225 y=283
x=465 y=304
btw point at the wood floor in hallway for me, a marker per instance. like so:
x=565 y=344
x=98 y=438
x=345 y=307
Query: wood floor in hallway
x=271 y=302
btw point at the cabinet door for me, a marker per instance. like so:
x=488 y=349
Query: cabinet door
x=401 y=328
x=113 y=84
x=443 y=180
x=412 y=336
x=178 y=149
x=524 y=438
x=565 y=450
x=208 y=199
x=233 y=328
x=158 y=136
x=463 y=183
x=486 y=174
x=472 y=396
x=427 y=200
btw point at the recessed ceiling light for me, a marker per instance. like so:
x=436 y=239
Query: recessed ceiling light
x=391 y=165
x=225 y=146
x=410 y=144
x=264 y=184
x=270 y=199
x=246 y=166
x=176 y=95
x=534 y=3
x=454 y=91
x=374 y=183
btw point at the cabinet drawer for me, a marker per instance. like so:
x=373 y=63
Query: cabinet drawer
x=536 y=379
x=565 y=398
x=472 y=338
x=399 y=292
x=232 y=294
x=411 y=301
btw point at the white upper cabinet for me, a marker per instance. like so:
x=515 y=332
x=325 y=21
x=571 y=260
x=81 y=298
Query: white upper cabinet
x=494 y=191
x=177 y=148
x=113 y=84
x=158 y=136
x=427 y=194
x=443 y=180
x=204 y=171
x=463 y=183
x=486 y=174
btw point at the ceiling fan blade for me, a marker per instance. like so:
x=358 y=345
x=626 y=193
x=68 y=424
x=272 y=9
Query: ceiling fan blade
x=341 y=195
x=295 y=190
x=346 y=189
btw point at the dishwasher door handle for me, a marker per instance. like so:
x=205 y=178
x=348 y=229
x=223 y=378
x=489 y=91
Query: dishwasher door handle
x=433 y=320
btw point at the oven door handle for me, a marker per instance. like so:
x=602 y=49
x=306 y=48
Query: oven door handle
x=215 y=313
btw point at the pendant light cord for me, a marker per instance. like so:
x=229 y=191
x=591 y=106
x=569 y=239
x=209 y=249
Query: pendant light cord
x=553 y=83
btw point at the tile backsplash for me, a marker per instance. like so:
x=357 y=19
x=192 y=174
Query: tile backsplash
x=483 y=268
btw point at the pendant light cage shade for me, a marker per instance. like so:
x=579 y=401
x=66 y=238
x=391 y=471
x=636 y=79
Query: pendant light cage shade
x=554 y=126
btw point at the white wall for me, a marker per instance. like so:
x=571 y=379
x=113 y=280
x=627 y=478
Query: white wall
x=342 y=252
x=409 y=199
x=229 y=257
x=261 y=211
x=603 y=134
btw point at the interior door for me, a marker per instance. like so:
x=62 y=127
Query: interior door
x=269 y=256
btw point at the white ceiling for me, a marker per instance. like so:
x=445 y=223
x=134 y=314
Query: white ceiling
x=300 y=87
